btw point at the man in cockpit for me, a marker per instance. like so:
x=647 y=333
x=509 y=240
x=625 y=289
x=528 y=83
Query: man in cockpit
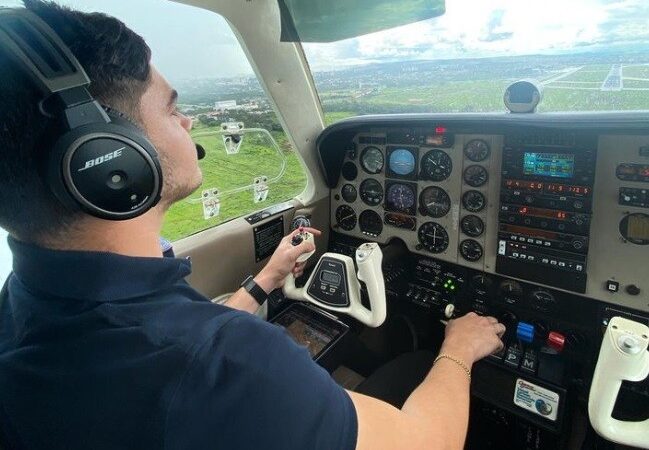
x=104 y=345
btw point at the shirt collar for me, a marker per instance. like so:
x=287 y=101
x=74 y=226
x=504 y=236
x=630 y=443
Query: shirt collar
x=95 y=276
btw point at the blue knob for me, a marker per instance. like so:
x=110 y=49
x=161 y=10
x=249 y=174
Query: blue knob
x=525 y=332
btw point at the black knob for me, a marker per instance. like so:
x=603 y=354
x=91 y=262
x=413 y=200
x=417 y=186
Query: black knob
x=632 y=289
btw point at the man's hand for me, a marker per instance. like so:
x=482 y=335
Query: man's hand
x=284 y=262
x=472 y=337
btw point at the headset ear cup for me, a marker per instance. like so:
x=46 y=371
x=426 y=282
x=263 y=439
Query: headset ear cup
x=110 y=171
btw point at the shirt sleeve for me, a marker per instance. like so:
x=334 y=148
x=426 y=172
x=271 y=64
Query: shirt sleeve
x=252 y=387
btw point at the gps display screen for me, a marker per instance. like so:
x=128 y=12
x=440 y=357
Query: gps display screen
x=313 y=334
x=554 y=165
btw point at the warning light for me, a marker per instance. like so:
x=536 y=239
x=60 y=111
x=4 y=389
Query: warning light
x=440 y=130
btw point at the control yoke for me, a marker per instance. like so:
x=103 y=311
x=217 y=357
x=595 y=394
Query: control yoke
x=334 y=284
x=623 y=356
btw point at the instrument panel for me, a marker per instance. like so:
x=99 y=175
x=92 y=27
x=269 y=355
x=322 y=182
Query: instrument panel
x=433 y=197
x=569 y=210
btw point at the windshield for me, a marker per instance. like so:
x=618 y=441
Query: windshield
x=587 y=55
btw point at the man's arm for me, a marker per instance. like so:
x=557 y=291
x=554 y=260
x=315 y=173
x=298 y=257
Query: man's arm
x=272 y=276
x=436 y=414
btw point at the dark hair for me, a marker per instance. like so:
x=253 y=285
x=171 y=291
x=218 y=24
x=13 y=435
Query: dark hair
x=116 y=60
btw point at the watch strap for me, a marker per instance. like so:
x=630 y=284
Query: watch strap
x=254 y=290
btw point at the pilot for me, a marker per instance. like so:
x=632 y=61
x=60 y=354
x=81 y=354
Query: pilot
x=104 y=345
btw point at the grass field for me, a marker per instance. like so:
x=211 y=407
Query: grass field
x=639 y=71
x=630 y=83
x=587 y=75
x=256 y=157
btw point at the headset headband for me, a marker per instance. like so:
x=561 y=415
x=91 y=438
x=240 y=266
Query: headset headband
x=55 y=71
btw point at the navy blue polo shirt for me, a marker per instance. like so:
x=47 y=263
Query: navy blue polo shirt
x=99 y=350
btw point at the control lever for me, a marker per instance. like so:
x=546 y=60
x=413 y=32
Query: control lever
x=623 y=356
x=303 y=236
x=334 y=285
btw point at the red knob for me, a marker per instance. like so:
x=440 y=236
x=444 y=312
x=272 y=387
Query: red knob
x=556 y=340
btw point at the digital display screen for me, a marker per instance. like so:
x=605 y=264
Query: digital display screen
x=309 y=328
x=308 y=336
x=539 y=212
x=554 y=188
x=330 y=277
x=567 y=189
x=554 y=165
x=519 y=184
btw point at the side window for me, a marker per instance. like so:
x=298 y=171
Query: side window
x=249 y=162
x=5 y=257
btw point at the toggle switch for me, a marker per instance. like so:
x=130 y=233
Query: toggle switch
x=525 y=332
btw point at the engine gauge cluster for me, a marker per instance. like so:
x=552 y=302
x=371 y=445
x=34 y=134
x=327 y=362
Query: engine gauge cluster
x=472 y=225
x=475 y=176
x=477 y=150
x=471 y=250
x=473 y=201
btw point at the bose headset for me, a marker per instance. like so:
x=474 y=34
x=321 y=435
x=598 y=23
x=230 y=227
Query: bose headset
x=100 y=162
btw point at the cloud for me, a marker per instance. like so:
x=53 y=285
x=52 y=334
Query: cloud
x=503 y=27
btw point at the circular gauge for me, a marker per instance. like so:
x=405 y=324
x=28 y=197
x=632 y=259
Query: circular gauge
x=346 y=217
x=511 y=287
x=349 y=171
x=472 y=225
x=371 y=192
x=477 y=150
x=436 y=165
x=372 y=160
x=635 y=228
x=370 y=222
x=434 y=202
x=473 y=201
x=300 y=221
x=433 y=237
x=400 y=197
x=402 y=161
x=475 y=176
x=349 y=193
x=470 y=250
x=542 y=300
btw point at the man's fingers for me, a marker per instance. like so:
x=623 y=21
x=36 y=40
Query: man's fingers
x=313 y=231
x=500 y=329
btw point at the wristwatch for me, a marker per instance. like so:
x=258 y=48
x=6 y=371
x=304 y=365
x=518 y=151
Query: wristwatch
x=254 y=290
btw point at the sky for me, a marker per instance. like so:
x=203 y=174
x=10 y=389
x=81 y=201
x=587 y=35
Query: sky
x=190 y=43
